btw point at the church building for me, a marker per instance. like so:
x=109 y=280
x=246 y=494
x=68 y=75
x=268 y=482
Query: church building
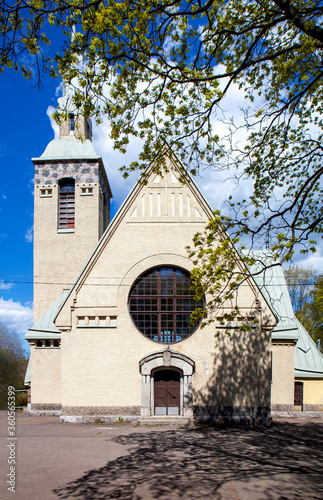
x=112 y=336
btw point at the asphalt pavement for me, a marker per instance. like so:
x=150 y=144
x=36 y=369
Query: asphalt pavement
x=44 y=460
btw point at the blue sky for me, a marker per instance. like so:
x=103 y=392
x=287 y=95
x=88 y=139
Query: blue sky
x=26 y=130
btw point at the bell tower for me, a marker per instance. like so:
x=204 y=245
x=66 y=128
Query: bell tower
x=71 y=206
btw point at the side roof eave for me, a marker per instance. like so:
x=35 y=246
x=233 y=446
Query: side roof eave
x=308 y=359
x=27 y=380
x=44 y=327
x=299 y=373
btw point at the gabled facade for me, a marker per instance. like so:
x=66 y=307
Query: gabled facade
x=136 y=335
x=112 y=335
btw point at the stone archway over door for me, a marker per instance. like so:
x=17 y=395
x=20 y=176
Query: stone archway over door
x=174 y=362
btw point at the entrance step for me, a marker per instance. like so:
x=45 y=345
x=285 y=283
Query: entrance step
x=175 y=420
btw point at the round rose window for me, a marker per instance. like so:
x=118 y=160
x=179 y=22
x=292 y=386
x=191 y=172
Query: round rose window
x=161 y=302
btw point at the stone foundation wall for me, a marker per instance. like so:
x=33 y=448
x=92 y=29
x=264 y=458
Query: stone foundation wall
x=317 y=407
x=114 y=411
x=239 y=414
x=282 y=408
x=98 y=419
x=45 y=407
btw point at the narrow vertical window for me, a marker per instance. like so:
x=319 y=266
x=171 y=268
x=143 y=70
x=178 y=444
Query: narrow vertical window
x=66 y=204
x=72 y=123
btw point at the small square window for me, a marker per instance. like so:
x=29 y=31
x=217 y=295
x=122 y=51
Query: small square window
x=86 y=191
x=46 y=192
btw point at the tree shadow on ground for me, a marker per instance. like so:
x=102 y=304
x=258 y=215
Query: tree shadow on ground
x=284 y=461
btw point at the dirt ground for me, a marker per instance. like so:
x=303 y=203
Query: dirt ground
x=120 y=461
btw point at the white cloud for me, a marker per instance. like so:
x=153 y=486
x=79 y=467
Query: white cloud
x=16 y=316
x=29 y=234
x=5 y=286
x=54 y=125
x=312 y=259
x=113 y=160
x=31 y=186
x=217 y=183
x=59 y=90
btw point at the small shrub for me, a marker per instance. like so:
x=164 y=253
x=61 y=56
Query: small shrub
x=122 y=420
x=21 y=398
x=99 y=421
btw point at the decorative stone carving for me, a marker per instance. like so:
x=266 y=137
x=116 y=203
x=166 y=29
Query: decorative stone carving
x=167 y=357
x=156 y=360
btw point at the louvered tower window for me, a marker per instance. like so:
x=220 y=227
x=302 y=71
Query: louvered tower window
x=66 y=204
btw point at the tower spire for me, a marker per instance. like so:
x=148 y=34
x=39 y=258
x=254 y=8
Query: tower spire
x=76 y=125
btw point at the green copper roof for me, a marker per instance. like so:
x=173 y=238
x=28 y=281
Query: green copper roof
x=68 y=149
x=308 y=359
x=45 y=328
x=272 y=284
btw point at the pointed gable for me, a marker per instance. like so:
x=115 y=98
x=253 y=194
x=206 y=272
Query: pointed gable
x=171 y=197
x=153 y=227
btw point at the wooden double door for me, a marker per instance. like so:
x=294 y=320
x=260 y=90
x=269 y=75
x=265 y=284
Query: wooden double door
x=167 y=392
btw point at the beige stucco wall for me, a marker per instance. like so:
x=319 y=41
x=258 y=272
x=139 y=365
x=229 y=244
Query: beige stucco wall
x=228 y=370
x=60 y=255
x=282 y=389
x=158 y=225
x=100 y=366
x=45 y=376
x=312 y=391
